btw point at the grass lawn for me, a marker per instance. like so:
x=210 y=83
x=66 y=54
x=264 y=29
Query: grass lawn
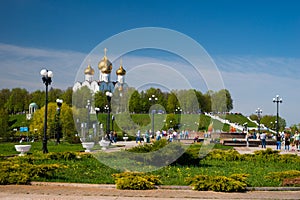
x=85 y=168
x=7 y=149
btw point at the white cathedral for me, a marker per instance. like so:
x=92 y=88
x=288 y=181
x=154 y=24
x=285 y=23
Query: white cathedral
x=104 y=83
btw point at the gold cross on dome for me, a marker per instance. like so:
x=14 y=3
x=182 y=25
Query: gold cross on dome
x=105 y=50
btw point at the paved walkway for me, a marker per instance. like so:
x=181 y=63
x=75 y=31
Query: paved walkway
x=242 y=150
x=65 y=191
x=250 y=150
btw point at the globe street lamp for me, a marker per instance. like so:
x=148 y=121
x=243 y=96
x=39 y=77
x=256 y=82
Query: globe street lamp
x=47 y=79
x=112 y=122
x=152 y=99
x=88 y=107
x=57 y=120
x=97 y=113
x=277 y=100
x=259 y=112
x=178 y=111
x=108 y=97
x=106 y=109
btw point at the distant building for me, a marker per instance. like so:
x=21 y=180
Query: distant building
x=104 y=83
x=32 y=108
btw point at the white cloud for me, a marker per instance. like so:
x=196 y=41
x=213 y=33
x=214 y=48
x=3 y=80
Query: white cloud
x=252 y=81
x=20 y=67
x=277 y=66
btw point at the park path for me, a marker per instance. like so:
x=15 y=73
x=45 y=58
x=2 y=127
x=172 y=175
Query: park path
x=241 y=150
x=59 y=191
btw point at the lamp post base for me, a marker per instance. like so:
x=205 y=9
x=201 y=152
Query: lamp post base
x=45 y=149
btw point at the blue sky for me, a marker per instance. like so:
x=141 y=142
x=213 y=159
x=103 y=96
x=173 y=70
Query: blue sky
x=255 y=44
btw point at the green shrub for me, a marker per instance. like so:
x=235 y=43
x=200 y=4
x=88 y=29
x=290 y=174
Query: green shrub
x=156 y=145
x=239 y=177
x=136 y=181
x=266 y=152
x=234 y=183
x=14 y=171
x=224 y=155
x=280 y=176
x=61 y=155
x=14 y=178
x=190 y=158
x=160 y=153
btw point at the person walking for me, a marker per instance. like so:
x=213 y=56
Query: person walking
x=278 y=142
x=115 y=136
x=263 y=137
x=287 y=142
x=297 y=140
x=138 y=137
x=147 y=137
x=247 y=136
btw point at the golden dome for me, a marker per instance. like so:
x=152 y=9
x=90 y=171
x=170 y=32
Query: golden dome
x=89 y=70
x=105 y=65
x=121 y=71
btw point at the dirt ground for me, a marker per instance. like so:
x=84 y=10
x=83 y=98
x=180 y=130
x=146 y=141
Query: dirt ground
x=57 y=191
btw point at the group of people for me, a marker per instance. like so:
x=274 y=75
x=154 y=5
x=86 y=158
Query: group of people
x=113 y=136
x=281 y=139
x=170 y=135
x=288 y=140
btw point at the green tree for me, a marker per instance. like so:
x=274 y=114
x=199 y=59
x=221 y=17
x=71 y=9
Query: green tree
x=171 y=122
x=80 y=97
x=270 y=122
x=54 y=93
x=4 y=96
x=17 y=101
x=66 y=117
x=221 y=101
x=100 y=100
x=172 y=102
x=4 y=124
x=229 y=101
x=67 y=96
x=188 y=101
x=135 y=102
x=38 y=97
x=161 y=98
x=206 y=106
x=294 y=128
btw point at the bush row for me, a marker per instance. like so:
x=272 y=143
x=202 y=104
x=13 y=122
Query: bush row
x=142 y=181
x=13 y=172
x=233 y=183
x=258 y=156
x=169 y=153
x=23 y=169
x=136 y=181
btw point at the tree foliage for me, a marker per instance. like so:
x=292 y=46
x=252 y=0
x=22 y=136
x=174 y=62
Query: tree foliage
x=17 y=101
x=270 y=121
x=4 y=124
x=221 y=101
x=66 y=118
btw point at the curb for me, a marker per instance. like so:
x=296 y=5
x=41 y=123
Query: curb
x=161 y=187
x=273 y=188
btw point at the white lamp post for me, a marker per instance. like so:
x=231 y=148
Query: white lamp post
x=277 y=100
x=47 y=79
x=153 y=99
x=259 y=112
